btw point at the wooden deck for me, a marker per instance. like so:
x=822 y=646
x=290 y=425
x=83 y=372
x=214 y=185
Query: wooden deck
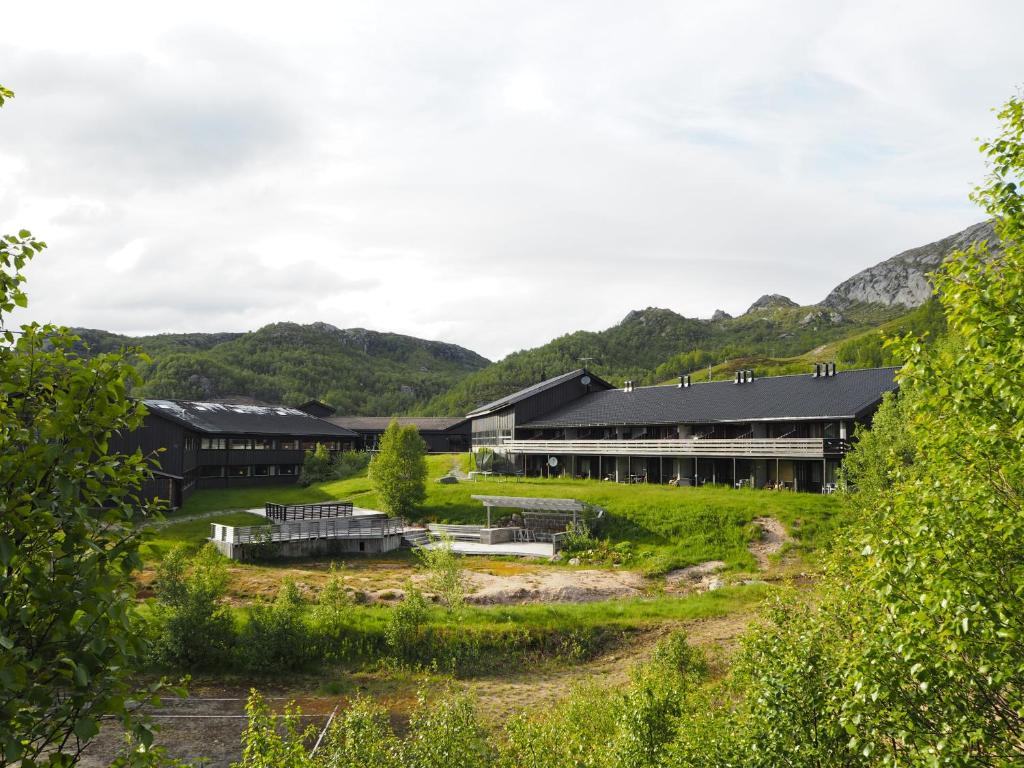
x=363 y=527
x=778 y=448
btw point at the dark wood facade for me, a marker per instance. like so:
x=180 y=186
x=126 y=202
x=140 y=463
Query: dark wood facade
x=790 y=431
x=188 y=458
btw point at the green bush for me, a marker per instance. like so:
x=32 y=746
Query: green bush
x=191 y=627
x=277 y=637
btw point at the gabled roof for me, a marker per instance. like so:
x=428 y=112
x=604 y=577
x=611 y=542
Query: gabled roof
x=535 y=389
x=239 y=419
x=380 y=423
x=847 y=395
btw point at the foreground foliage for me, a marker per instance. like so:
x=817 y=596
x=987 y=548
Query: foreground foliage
x=67 y=545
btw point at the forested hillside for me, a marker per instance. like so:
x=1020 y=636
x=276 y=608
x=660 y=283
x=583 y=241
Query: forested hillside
x=654 y=344
x=355 y=370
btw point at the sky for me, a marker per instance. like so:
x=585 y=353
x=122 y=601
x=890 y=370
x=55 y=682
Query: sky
x=492 y=174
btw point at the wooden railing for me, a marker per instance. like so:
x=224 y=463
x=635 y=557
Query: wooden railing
x=786 y=448
x=328 y=528
x=283 y=512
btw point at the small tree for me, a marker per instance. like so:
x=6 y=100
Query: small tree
x=399 y=470
x=317 y=466
x=446 y=577
x=68 y=543
x=192 y=628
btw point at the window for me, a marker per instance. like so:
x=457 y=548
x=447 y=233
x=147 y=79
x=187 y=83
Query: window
x=213 y=444
x=261 y=444
x=239 y=444
x=238 y=471
x=309 y=445
x=263 y=470
x=190 y=443
x=330 y=445
x=211 y=471
x=288 y=445
x=286 y=469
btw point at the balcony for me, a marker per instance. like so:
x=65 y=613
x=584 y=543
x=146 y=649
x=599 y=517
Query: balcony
x=767 y=448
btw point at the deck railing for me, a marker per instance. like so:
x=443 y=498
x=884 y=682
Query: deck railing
x=766 y=448
x=284 y=512
x=328 y=528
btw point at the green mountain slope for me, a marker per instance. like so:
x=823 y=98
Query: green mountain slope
x=653 y=344
x=357 y=371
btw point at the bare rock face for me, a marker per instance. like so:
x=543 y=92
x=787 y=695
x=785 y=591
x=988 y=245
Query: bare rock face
x=772 y=301
x=903 y=278
x=720 y=314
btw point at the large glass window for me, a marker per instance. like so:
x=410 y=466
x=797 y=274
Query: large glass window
x=287 y=469
x=239 y=444
x=309 y=445
x=238 y=471
x=261 y=444
x=213 y=444
x=263 y=470
x=213 y=470
x=288 y=445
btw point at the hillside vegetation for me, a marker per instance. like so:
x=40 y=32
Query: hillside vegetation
x=357 y=371
x=653 y=344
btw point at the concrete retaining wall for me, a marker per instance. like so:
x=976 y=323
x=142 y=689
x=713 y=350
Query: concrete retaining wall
x=310 y=548
x=497 y=535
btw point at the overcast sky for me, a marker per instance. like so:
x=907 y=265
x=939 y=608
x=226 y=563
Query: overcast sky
x=491 y=174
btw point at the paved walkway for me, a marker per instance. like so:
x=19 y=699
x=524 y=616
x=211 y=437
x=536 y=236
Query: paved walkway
x=521 y=549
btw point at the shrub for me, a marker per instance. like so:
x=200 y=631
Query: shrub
x=192 y=629
x=445 y=575
x=404 y=633
x=277 y=636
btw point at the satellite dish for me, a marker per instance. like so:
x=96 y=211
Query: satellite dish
x=585 y=381
x=552 y=461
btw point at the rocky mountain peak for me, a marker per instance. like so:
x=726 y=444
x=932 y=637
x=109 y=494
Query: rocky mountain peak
x=903 y=279
x=772 y=301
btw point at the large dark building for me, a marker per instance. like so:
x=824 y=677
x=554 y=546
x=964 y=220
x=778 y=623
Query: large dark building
x=226 y=445
x=441 y=434
x=781 y=431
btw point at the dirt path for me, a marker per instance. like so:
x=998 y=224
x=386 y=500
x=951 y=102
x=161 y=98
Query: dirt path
x=773 y=537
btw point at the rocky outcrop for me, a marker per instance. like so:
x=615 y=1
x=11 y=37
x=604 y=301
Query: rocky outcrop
x=772 y=301
x=903 y=278
x=720 y=314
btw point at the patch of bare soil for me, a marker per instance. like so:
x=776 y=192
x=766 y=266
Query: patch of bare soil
x=773 y=537
x=552 y=586
x=500 y=697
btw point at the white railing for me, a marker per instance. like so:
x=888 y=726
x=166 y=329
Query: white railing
x=330 y=528
x=790 y=447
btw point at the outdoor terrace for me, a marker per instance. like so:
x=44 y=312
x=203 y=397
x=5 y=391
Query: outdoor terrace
x=766 y=448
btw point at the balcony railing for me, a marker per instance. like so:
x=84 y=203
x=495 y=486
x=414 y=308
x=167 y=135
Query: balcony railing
x=766 y=448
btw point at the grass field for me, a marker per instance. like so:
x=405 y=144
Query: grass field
x=665 y=527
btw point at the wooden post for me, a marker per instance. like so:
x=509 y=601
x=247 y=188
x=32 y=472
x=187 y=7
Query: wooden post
x=733 y=471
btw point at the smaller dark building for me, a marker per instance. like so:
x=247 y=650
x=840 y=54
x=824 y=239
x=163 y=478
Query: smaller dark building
x=442 y=434
x=226 y=445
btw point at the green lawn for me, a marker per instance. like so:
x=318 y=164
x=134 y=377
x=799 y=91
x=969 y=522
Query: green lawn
x=667 y=527
x=193 y=532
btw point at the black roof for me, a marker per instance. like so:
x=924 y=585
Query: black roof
x=380 y=423
x=238 y=419
x=847 y=395
x=534 y=389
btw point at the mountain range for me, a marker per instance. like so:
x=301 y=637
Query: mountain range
x=364 y=372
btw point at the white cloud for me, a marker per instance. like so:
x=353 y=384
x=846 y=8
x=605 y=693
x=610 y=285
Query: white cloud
x=492 y=174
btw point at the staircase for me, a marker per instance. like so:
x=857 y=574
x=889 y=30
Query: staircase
x=414 y=537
